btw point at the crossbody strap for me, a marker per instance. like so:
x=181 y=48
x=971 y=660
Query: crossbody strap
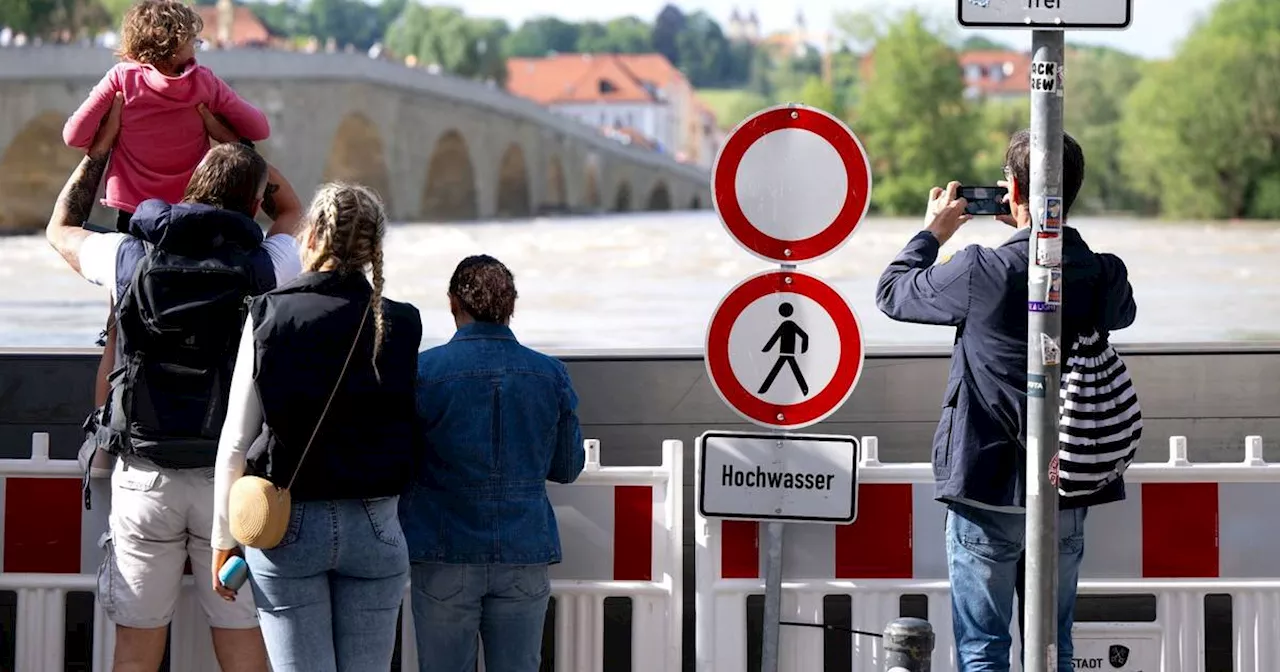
x=332 y=394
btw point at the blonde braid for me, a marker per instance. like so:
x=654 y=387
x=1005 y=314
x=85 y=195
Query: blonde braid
x=323 y=216
x=351 y=221
x=379 y=321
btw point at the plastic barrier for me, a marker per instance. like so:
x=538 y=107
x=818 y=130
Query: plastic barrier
x=1189 y=539
x=620 y=528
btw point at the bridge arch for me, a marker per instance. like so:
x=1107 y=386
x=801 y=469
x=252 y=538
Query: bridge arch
x=513 y=184
x=622 y=200
x=591 y=186
x=359 y=155
x=450 y=194
x=557 y=195
x=33 y=169
x=659 y=197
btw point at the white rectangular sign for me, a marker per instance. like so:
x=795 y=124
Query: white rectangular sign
x=1046 y=14
x=1116 y=647
x=800 y=477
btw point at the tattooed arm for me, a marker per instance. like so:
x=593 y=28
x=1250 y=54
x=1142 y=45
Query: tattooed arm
x=65 y=230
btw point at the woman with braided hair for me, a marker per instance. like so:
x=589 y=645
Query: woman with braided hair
x=322 y=408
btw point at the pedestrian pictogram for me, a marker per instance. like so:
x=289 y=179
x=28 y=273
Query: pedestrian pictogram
x=791 y=183
x=784 y=349
x=785 y=338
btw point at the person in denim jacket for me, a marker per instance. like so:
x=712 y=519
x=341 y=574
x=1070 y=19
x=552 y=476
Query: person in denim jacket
x=499 y=421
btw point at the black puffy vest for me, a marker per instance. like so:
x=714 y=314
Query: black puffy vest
x=369 y=441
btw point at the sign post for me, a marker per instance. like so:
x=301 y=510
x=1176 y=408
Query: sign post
x=1047 y=19
x=784 y=349
x=1044 y=348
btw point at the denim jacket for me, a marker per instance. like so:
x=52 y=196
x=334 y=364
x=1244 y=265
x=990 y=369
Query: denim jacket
x=499 y=421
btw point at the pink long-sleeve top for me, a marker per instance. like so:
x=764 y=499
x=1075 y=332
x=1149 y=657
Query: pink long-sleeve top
x=162 y=138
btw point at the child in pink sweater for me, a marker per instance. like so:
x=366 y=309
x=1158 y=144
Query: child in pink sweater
x=162 y=136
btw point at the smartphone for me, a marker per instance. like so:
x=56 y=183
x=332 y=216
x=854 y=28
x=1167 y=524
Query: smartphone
x=233 y=573
x=985 y=200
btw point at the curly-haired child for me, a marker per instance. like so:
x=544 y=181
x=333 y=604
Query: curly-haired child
x=162 y=135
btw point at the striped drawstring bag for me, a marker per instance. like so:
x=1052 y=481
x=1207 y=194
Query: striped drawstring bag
x=1101 y=421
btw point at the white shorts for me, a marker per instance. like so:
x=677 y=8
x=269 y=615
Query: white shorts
x=159 y=518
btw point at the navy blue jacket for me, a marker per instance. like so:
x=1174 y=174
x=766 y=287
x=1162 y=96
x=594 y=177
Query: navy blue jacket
x=979 y=451
x=183 y=227
x=500 y=420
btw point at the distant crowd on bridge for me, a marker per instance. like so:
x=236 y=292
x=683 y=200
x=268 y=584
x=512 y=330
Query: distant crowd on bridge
x=263 y=410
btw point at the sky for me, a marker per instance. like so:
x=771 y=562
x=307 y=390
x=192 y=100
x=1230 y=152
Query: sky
x=1158 y=25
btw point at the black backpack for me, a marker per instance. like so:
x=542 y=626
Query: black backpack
x=178 y=329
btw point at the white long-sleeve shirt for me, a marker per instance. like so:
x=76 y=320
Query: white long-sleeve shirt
x=242 y=426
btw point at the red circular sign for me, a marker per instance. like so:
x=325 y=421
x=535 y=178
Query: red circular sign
x=751 y=406
x=728 y=205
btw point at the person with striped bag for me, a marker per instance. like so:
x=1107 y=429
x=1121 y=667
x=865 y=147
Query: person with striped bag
x=979 y=447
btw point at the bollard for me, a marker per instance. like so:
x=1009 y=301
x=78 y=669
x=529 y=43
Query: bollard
x=908 y=646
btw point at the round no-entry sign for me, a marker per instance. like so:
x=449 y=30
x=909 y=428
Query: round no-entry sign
x=784 y=349
x=791 y=183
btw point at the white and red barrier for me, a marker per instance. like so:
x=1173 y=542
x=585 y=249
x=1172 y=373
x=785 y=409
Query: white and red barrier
x=1185 y=531
x=620 y=528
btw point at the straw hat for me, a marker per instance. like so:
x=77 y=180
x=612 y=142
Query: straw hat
x=259 y=512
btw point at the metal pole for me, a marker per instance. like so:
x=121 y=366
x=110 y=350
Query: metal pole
x=908 y=646
x=772 y=597
x=1044 y=350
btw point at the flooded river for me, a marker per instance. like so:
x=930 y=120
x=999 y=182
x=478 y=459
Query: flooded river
x=650 y=281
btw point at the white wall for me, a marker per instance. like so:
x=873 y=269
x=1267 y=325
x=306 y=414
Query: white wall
x=653 y=120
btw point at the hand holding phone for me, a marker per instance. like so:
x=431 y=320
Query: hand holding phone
x=985 y=200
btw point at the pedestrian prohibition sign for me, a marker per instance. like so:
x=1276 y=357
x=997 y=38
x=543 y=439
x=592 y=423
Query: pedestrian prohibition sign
x=791 y=183
x=784 y=349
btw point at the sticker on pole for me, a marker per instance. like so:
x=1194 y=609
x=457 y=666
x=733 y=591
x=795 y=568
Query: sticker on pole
x=1046 y=77
x=791 y=183
x=810 y=478
x=784 y=349
x=1046 y=14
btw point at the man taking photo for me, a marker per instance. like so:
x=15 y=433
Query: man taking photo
x=979 y=453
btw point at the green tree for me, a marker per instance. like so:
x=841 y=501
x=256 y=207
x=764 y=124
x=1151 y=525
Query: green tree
x=912 y=115
x=1100 y=80
x=738 y=63
x=744 y=106
x=1000 y=119
x=624 y=35
x=816 y=93
x=1201 y=133
x=671 y=22
x=844 y=68
x=353 y=22
x=760 y=74
x=791 y=71
x=47 y=17
x=540 y=36
x=704 y=51
x=281 y=18
x=445 y=37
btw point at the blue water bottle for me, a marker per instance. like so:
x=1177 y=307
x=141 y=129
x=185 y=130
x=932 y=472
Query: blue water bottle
x=233 y=573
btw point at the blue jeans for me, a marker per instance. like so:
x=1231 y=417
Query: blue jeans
x=329 y=594
x=983 y=549
x=505 y=605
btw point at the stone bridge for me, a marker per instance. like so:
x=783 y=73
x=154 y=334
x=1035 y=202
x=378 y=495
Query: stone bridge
x=437 y=148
